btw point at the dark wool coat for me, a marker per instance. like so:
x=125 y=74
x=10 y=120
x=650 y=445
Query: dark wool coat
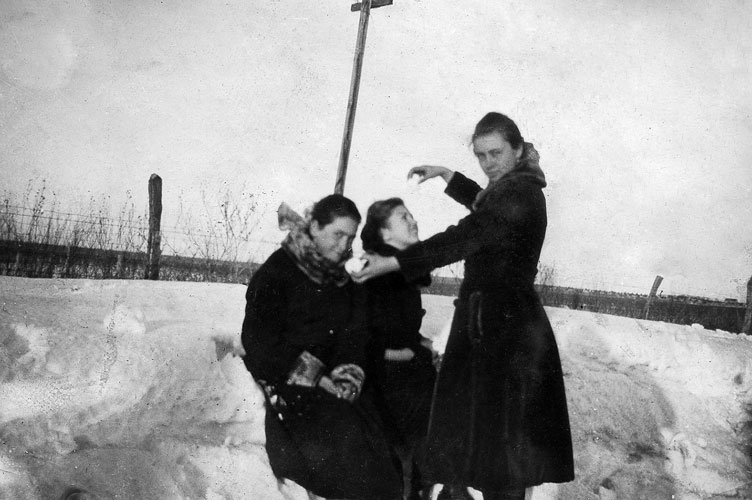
x=333 y=448
x=403 y=388
x=501 y=415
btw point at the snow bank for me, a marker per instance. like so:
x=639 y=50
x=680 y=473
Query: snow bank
x=132 y=389
x=657 y=410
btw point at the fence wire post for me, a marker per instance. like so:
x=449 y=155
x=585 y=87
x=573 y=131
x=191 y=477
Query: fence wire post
x=155 y=216
x=17 y=264
x=653 y=291
x=66 y=264
x=747 y=327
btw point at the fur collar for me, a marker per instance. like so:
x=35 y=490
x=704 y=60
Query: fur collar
x=301 y=248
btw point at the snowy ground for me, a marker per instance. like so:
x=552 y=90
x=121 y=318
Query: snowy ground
x=133 y=389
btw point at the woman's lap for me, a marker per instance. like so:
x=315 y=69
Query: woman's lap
x=336 y=449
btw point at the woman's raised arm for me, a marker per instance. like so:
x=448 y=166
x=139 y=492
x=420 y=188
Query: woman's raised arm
x=377 y=265
x=426 y=172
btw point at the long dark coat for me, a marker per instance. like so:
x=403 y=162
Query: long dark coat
x=332 y=447
x=501 y=415
x=403 y=388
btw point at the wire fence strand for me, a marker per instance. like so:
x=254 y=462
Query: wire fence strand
x=126 y=232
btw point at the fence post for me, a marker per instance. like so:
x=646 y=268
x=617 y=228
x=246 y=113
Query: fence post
x=653 y=291
x=119 y=266
x=747 y=327
x=66 y=264
x=155 y=216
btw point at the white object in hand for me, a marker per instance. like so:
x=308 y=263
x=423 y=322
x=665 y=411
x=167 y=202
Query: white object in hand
x=414 y=180
x=354 y=265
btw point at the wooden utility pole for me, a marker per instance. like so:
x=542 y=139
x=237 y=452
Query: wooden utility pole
x=653 y=291
x=747 y=327
x=352 y=103
x=155 y=216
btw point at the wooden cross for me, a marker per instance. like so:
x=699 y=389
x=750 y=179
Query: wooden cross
x=365 y=10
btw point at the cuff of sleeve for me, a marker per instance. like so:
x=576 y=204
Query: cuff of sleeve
x=307 y=371
x=454 y=186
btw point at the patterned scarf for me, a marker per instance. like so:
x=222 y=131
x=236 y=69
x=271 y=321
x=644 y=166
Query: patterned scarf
x=301 y=248
x=527 y=166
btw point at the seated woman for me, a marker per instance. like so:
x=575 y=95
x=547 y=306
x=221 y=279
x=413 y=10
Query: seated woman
x=305 y=336
x=403 y=373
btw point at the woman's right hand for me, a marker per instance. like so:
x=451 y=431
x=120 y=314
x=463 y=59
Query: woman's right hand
x=328 y=385
x=376 y=265
x=425 y=172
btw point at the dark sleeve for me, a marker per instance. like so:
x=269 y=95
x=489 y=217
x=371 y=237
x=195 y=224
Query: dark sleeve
x=462 y=190
x=376 y=317
x=494 y=223
x=417 y=338
x=269 y=356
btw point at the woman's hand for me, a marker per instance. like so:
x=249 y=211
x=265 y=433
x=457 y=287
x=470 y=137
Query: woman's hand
x=327 y=384
x=404 y=354
x=426 y=172
x=338 y=391
x=344 y=382
x=376 y=265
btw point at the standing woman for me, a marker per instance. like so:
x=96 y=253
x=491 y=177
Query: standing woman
x=403 y=373
x=500 y=420
x=305 y=336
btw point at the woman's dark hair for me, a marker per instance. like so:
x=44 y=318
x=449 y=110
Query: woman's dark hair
x=496 y=122
x=378 y=213
x=330 y=207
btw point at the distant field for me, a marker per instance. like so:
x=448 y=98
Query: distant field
x=685 y=310
x=38 y=260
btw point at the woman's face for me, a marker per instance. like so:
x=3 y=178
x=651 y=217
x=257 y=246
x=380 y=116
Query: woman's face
x=400 y=229
x=495 y=155
x=334 y=240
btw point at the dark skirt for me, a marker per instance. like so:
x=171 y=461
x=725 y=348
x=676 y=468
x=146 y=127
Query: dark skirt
x=405 y=390
x=500 y=416
x=331 y=447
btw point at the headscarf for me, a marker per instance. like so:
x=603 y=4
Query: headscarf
x=300 y=247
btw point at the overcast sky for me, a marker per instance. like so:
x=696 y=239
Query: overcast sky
x=641 y=112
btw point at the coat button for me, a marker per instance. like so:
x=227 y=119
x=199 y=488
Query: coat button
x=331 y=332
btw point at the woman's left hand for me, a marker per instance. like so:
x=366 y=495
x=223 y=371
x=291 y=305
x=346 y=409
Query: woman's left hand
x=327 y=384
x=340 y=391
x=376 y=265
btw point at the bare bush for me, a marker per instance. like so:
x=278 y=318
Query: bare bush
x=37 y=239
x=545 y=281
x=223 y=231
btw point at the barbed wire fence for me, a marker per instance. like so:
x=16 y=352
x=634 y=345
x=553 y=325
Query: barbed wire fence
x=231 y=236
x=48 y=242
x=37 y=240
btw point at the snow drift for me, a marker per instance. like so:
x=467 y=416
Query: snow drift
x=135 y=389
